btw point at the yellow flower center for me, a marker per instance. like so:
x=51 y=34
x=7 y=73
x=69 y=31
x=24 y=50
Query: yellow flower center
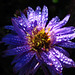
x=39 y=40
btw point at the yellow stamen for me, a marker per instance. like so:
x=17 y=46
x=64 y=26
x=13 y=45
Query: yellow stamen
x=39 y=40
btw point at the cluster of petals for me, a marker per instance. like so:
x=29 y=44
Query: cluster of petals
x=28 y=60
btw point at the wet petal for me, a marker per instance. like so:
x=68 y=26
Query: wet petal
x=35 y=17
x=10 y=27
x=38 y=9
x=52 y=71
x=23 y=16
x=38 y=15
x=13 y=40
x=44 y=15
x=25 y=20
x=24 y=70
x=23 y=60
x=31 y=15
x=52 y=61
x=67 y=44
x=62 y=23
x=67 y=62
x=22 y=23
x=54 y=21
x=29 y=11
x=17 y=50
x=19 y=31
x=28 y=68
x=65 y=30
x=66 y=37
x=34 y=64
x=56 y=63
x=61 y=50
x=45 y=58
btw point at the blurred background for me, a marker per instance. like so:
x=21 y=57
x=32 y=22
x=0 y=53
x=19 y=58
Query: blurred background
x=8 y=9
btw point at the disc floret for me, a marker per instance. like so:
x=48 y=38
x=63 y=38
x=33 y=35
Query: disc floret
x=39 y=41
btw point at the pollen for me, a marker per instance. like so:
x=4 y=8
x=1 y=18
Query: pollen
x=39 y=40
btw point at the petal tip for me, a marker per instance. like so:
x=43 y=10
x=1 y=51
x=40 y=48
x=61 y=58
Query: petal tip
x=45 y=7
x=38 y=7
x=67 y=17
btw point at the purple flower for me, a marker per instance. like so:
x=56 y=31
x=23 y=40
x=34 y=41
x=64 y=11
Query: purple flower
x=36 y=44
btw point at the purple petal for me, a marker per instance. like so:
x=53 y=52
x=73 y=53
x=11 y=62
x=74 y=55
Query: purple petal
x=25 y=70
x=29 y=11
x=38 y=15
x=45 y=58
x=62 y=23
x=38 y=11
x=28 y=68
x=19 y=31
x=52 y=61
x=21 y=22
x=23 y=16
x=61 y=50
x=24 y=20
x=13 y=40
x=34 y=18
x=67 y=44
x=23 y=60
x=65 y=30
x=54 y=21
x=32 y=21
x=33 y=66
x=66 y=37
x=44 y=15
x=31 y=15
x=67 y=62
x=52 y=71
x=17 y=50
x=56 y=63
x=10 y=27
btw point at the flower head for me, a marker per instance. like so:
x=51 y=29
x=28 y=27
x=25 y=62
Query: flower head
x=34 y=43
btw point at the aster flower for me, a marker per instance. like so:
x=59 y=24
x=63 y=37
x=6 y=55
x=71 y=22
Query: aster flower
x=36 y=44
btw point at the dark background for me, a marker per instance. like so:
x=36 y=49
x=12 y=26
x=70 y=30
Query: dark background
x=56 y=8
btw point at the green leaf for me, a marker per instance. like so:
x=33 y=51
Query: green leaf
x=55 y=1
